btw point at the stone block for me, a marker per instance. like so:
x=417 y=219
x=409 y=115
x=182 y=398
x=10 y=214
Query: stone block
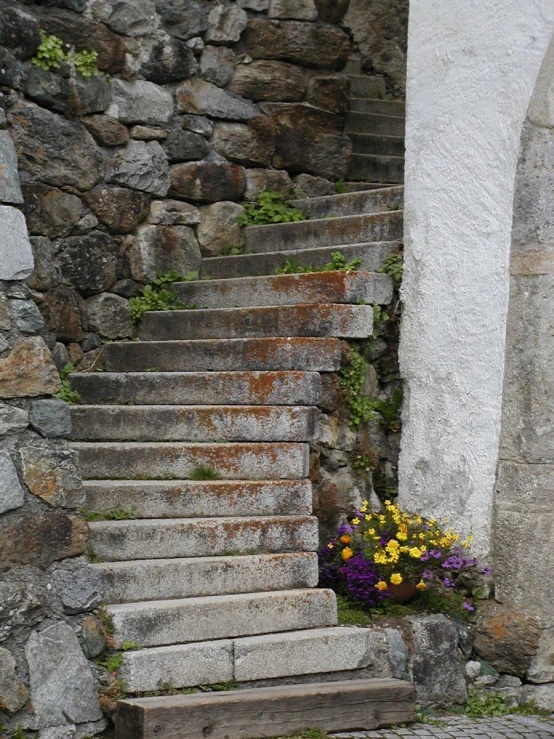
x=88 y=262
x=541 y=695
x=79 y=588
x=398 y=654
x=182 y=145
x=50 y=211
x=19 y=32
x=13 y=420
x=311 y=45
x=173 y=213
x=16 y=255
x=28 y=370
x=184 y=18
x=52 y=475
x=142 y=166
x=10 y=190
x=51 y=418
x=435 y=664
x=541 y=669
x=93 y=641
x=62 y=687
x=148 y=133
x=65 y=313
x=26 y=316
x=218 y=227
x=217 y=64
x=13 y=693
x=12 y=494
x=106 y=130
x=141 y=102
x=208 y=181
x=197 y=124
x=302 y=10
x=225 y=24
x=169 y=60
x=309 y=186
x=118 y=208
x=251 y=145
x=269 y=80
x=110 y=316
x=164 y=248
x=330 y=93
x=37 y=134
x=258 y=180
x=199 y=97
x=129 y=17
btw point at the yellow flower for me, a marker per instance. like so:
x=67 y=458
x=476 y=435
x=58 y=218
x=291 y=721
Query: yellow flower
x=421 y=585
x=415 y=552
x=368 y=517
x=371 y=532
x=363 y=507
x=396 y=578
x=393 y=544
x=330 y=546
x=381 y=585
x=345 y=539
x=403 y=550
x=347 y=553
x=355 y=522
x=402 y=536
x=382 y=520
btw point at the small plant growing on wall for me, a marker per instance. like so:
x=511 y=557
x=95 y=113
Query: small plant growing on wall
x=51 y=54
x=271 y=207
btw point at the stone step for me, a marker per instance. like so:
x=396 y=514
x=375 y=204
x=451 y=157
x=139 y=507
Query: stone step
x=163 y=622
x=359 y=186
x=296 y=353
x=116 y=541
x=386 y=125
x=373 y=167
x=353 y=66
x=352 y=203
x=179 y=460
x=384 y=226
x=326 y=319
x=164 y=579
x=364 y=86
x=378 y=107
x=196 y=388
x=372 y=255
x=193 y=423
x=324 y=287
x=363 y=143
x=203 y=498
x=268 y=712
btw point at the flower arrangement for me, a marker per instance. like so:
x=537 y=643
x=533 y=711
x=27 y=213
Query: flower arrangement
x=378 y=554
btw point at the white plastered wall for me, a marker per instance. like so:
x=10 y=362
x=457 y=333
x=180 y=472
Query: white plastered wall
x=472 y=67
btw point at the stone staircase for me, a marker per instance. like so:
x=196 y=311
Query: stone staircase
x=376 y=129
x=214 y=580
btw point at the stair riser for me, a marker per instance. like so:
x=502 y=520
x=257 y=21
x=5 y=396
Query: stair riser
x=189 y=423
x=384 y=125
x=348 y=321
x=376 y=168
x=367 y=86
x=396 y=108
x=386 y=226
x=188 y=499
x=130 y=582
x=329 y=287
x=380 y=145
x=119 y=541
x=160 y=623
x=353 y=203
x=372 y=256
x=315 y=355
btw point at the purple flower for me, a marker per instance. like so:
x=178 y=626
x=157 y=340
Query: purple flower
x=448 y=583
x=427 y=574
x=468 y=606
x=487 y=571
x=345 y=529
x=361 y=578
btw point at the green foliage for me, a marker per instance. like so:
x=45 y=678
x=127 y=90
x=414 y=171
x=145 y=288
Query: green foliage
x=393 y=265
x=350 y=613
x=204 y=473
x=92 y=556
x=50 y=55
x=127 y=646
x=158 y=296
x=219 y=687
x=66 y=393
x=481 y=704
x=105 y=619
x=338 y=263
x=389 y=411
x=380 y=319
x=352 y=378
x=114 y=514
x=364 y=464
x=233 y=251
x=271 y=207
x=340 y=187
x=112 y=663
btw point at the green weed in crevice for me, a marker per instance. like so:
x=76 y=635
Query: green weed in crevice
x=352 y=378
x=159 y=295
x=114 y=514
x=51 y=54
x=67 y=393
x=393 y=265
x=340 y=187
x=338 y=263
x=204 y=473
x=271 y=207
x=389 y=412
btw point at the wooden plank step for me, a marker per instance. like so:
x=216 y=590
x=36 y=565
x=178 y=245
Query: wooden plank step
x=268 y=712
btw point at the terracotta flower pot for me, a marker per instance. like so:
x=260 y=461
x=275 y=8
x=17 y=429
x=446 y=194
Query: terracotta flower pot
x=403 y=593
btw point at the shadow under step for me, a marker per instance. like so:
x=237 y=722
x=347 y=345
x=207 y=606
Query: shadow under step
x=269 y=712
x=194 y=577
x=385 y=125
x=198 y=388
x=372 y=255
x=116 y=541
x=353 y=203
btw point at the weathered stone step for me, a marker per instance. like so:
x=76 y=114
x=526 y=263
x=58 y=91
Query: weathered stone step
x=296 y=353
x=163 y=579
x=359 y=186
x=323 y=287
x=363 y=143
x=387 y=125
x=197 y=388
x=178 y=460
x=326 y=319
x=353 y=203
x=353 y=66
x=268 y=712
x=202 y=498
x=373 y=167
x=364 y=86
x=115 y=541
x=193 y=423
x=163 y=622
x=372 y=255
x=395 y=108
x=385 y=226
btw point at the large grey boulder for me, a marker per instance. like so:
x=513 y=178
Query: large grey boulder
x=173 y=213
x=110 y=316
x=218 y=229
x=129 y=17
x=141 y=102
x=208 y=181
x=269 y=80
x=12 y=420
x=142 y=165
x=164 y=247
x=12 y=494
x=168 y=60
x=51 y=418
x=50 y=211
x=202 y=98
x=182 y=145
x=16 y=254
x=225 y=24
x=62 y=687
x=26 y=316
x=251 y=145
x=88 y=263
x=217 y=64
x=79 y=587
x=10 y=190
x=184 y=18
x=120 y=209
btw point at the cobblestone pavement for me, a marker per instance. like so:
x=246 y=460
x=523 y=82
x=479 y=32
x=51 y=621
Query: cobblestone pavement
x=462 y=727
